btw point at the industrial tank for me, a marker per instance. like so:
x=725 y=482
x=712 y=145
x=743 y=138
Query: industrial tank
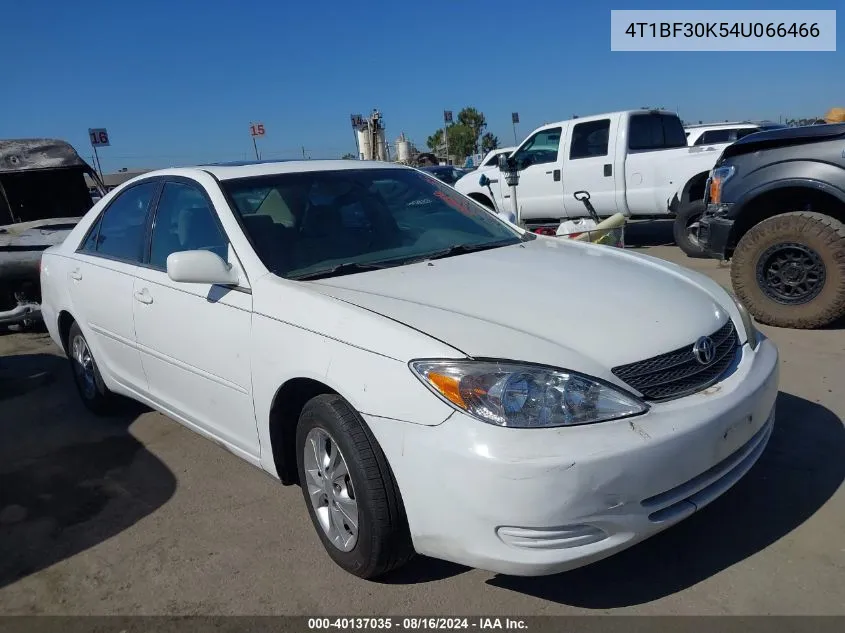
x=364 y=144
x=403 y=149
x=381 y=145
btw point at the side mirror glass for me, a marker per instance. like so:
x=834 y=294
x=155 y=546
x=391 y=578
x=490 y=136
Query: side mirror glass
x=200 y=267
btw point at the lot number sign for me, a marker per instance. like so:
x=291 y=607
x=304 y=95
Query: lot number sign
x=99 y=137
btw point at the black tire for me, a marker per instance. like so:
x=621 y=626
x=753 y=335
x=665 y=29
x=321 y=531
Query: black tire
x=383 y=539
x=814 y=238
x=684 y=239
x=96 y=397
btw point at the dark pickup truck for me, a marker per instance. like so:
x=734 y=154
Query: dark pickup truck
x=775 y=206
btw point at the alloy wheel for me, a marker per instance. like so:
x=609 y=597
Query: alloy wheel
x=83 y=366
x=330 y=489
x=791 y=273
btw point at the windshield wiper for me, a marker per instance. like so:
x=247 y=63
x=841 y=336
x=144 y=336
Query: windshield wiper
x=341 y=269
x=460 y=249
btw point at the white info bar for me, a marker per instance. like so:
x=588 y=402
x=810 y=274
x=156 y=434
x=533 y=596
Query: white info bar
x=723 y=30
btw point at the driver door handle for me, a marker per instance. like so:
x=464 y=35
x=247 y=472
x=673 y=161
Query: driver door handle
x=144 y=296
x=75 y=274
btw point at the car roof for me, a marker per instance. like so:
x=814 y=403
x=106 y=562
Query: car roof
x=728 y=125
x=247 y=169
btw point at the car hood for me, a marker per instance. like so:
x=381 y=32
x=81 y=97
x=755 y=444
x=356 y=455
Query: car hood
x=784 y=137
x=547 y=301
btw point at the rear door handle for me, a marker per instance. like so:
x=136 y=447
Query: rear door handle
x=75 y=274
x=144 y=296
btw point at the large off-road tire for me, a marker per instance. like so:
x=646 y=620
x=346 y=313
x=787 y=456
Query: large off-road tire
x=686 y=236
x=789 y=270
x=350 y=490
x=86 y=375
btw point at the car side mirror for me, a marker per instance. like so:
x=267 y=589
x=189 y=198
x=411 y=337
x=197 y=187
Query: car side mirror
x=200 y=267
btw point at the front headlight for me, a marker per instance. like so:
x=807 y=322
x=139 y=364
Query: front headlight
x=525 y=396
x=718 y=177
x=747 y=323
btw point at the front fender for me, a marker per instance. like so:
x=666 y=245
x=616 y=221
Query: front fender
x=816 y=175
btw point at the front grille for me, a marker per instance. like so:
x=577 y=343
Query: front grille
x=678 y=373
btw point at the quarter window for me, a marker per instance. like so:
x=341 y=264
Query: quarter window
x=715 y=136
x=185 y=222
x=655 y=131
x=590 y=139
x=123 y=225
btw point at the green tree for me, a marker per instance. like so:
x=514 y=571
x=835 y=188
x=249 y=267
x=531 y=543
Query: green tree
x=435 y=140
x=489 y=142
x=476 y=122
x=349 y=156
x=461 y=140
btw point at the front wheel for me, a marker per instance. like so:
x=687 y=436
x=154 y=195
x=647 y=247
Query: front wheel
x=349 y=489
x=685 y=229
x=789 y=270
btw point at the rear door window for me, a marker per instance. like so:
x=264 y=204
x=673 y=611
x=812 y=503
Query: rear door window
x=121 y=230
x=590 y=139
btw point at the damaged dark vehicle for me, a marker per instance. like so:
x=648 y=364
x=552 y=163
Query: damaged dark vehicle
x=43 y=195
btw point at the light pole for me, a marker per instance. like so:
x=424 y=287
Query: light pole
x=511 y=174
x=514 y=121
x=447 y=119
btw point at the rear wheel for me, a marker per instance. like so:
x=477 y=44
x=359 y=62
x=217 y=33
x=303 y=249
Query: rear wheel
x=685 y=229
x=86 y=375
x=349 y=489
x=789 y=270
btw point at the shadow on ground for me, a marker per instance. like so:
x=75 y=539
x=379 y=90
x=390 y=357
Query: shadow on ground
x=68 y=480
x=800 y=470
x=649 y=233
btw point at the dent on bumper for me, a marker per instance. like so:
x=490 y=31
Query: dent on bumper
x=541 y=501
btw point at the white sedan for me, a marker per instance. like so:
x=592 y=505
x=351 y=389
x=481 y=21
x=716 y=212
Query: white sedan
x=437 y=380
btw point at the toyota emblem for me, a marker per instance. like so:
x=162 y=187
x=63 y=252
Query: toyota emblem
x=704 y=350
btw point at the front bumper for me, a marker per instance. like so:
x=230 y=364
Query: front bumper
x=541 y=501
x=713 y=235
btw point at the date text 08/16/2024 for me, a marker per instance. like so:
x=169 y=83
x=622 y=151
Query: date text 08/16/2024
x=415 y=623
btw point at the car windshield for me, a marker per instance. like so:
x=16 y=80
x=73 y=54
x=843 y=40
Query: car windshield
x=322 y=223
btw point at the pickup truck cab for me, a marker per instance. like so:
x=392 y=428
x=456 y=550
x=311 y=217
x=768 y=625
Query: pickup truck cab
x=635 y=162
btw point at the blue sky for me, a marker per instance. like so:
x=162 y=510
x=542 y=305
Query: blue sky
x=178 y=82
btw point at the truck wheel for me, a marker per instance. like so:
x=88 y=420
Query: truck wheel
x=789 y=270
x=686 y=231
x=349 y=489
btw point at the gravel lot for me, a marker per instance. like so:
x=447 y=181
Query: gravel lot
x=137 y=515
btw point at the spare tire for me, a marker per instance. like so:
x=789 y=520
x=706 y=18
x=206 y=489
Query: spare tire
x=686 y=237
x=789 y=270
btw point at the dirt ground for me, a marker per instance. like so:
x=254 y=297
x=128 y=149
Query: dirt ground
x=137 y=515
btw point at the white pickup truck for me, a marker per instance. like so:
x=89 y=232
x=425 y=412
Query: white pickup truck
x=635 y=162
